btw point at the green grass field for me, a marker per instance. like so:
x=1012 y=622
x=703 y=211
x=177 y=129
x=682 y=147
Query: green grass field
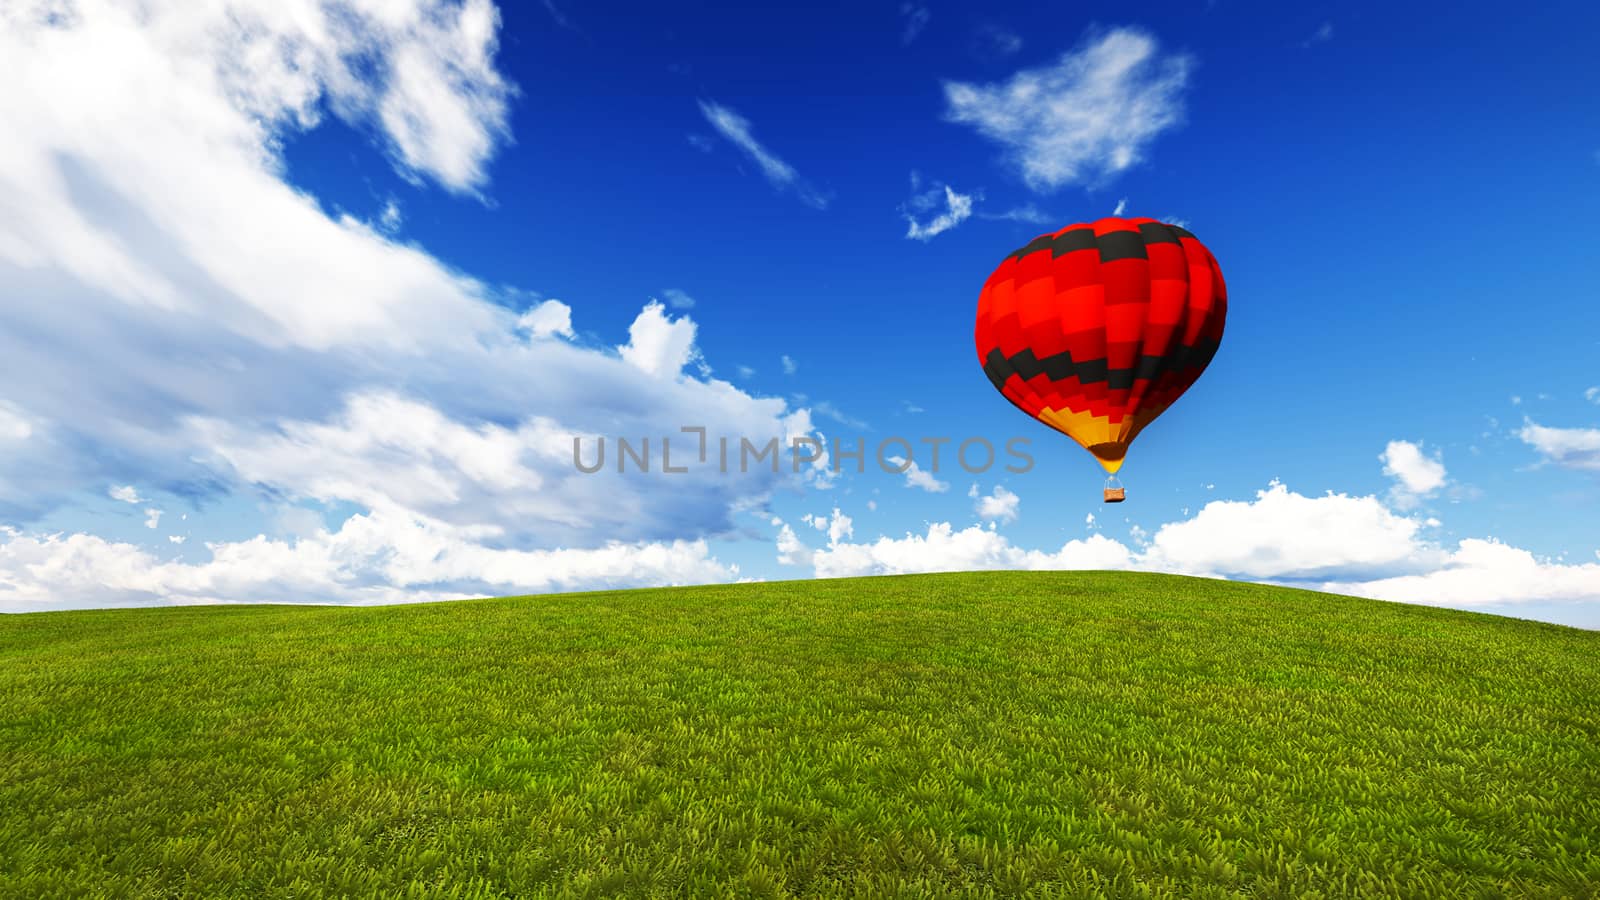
x=969 y=735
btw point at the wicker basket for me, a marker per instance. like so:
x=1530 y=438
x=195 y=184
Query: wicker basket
x=1116 y=495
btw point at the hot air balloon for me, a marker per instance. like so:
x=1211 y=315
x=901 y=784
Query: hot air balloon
x=1096 y=329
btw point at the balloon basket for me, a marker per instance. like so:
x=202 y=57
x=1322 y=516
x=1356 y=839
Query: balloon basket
x=1114 y=492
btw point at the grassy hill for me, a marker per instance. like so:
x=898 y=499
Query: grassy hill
x=972 y=735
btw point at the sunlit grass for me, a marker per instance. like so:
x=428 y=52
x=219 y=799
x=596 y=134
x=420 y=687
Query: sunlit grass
x=973 y=735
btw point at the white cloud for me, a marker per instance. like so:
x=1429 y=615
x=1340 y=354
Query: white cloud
x=794 y=552
x=791 y=550
x=152 y=518
x=916 y=17
x=678 y=299
x=783 y=176
x=839 y=527
x=1122 y=206
x=548 y=319
x=1284 y=535
x=1336 y=543
x=944 y=549
x=657 y=344
x=126 y=493
x=1570 y=448
x=385 y=556
x=1482 y=572
x=1416 y=474
x=445 y=107
x=180 y=317
x=383 y=449
x=423 y=73
x=1000 y=506
x=746 y=372
x=917 y=477
x=177 y=538
x=958 y=208
x=789 y=365
x=1084 y=119
x=1592 y=394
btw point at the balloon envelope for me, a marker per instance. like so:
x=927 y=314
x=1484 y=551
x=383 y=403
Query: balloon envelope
x=1097 y=328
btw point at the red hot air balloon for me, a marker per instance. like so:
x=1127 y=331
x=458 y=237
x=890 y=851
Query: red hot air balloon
x=1097 y=328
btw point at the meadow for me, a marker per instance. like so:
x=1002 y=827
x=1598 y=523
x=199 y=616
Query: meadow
x=976 y=735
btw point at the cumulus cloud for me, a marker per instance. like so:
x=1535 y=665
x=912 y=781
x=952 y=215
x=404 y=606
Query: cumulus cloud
x=794 y=552
x=519 y=481
x=659 y=344
x=1416 y=474
x=152 y=518
x=1570 y=448
x=789 y=365
x=1335 y=542
x=1592 y=394
x=548 y=319
x=1086 y=118
x=1481 y=572
x=944 y=549
x=182 y=318
x=1122 y=206
x=737 y=130
x=1284 y=535
x=999 y=506
x=836 y=525
x=422 y=74
x=384 y=556
x=791 y=550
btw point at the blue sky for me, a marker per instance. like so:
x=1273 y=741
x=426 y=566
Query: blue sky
x=333 y=289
